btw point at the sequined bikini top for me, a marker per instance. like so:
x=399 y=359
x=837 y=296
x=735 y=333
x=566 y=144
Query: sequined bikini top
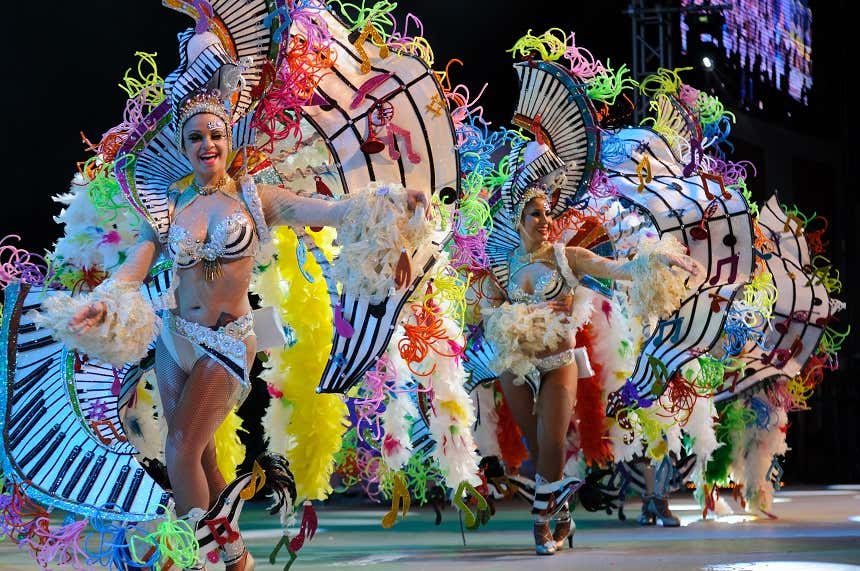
x=553 y=281
x=233 y=237
x=238 y=235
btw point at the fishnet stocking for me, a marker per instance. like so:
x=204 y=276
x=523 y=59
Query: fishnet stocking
x=195 y=405
x=554 y=410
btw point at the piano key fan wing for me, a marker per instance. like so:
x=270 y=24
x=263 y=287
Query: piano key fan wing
x=800 y=314
x=383 y=119
x=62 y=434
x=711 y=220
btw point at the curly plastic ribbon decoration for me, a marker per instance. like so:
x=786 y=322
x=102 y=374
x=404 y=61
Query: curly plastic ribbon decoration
x=448 y=296
x=761 y=293
x=601 y=186
x=717 y=133
x=304 y=63
x=473 y=214
x=681 y=396
x=19 y=264
x=377 y=16
x=831 y=341
x=582 y=63
x=550 y=46
x=735 y=417
x=664 y=82
x=815 y=238
x=63 y=545
x=823 y=273
x=307 y=22
x=421 y=337
x=469 y=252
x=376 y=383
x=416 y=45
x=763 y=413
x=175 y=539
x=711 y=110
x=105 y=193
x=711 y=376
x=465 y=108
x=147 y=82
x=608 y=85
x=614 y=150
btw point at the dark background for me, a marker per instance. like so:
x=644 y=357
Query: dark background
x=65 y=59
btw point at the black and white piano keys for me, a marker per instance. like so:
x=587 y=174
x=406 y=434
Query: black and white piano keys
x=49 y=442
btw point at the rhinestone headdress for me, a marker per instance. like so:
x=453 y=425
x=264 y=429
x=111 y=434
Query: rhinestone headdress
x=533 y=162
x=204 y=101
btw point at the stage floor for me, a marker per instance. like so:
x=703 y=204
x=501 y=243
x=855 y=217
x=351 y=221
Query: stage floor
x=816 y=530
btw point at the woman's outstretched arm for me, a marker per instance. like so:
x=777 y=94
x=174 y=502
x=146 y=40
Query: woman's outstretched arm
x=283 y=207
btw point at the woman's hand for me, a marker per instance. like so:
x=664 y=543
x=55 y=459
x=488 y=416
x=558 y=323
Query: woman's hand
x=686 y=263
x=416 y=197
x=88 y=317
x=562 y=304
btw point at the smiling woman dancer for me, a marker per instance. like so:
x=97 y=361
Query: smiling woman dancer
x=535 y=331
x=207 y=343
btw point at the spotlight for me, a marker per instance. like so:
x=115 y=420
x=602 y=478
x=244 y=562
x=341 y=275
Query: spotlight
x=705 y=36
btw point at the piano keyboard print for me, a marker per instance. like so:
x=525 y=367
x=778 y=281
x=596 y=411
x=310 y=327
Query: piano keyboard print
x=45 y=411
x=800 y=313
x=409 y=88
x=677 y=206
x=566 y=119
x=477 y=364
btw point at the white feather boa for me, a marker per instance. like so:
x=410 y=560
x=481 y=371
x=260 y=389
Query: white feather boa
x=400 y=412
x=700 y=425
x=92 y=239
x=751 y=467
x=453 y=413
x=123 y=336
x=486 y=437
x=520 y=331
x=657 y=290
x=375 y=228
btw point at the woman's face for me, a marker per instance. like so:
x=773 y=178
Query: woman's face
x=206 y=141
x=536 y=220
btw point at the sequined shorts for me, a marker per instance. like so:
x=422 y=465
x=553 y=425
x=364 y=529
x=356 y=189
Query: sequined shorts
x=187 y=342
x=557 y=361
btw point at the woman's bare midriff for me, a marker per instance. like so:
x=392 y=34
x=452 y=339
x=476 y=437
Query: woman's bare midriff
x=207 y=302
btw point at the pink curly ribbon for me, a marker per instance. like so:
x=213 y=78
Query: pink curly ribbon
x=731 y=172
x=22 y=519
x=376 y=382
x=464 y=108
x=779 y=396
x=304 y=61
x=582 y=63
x=19 y=264
x=307 y=22
x=398 y=41
x=62 y=546
x=470 y=251
x=600 y=185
